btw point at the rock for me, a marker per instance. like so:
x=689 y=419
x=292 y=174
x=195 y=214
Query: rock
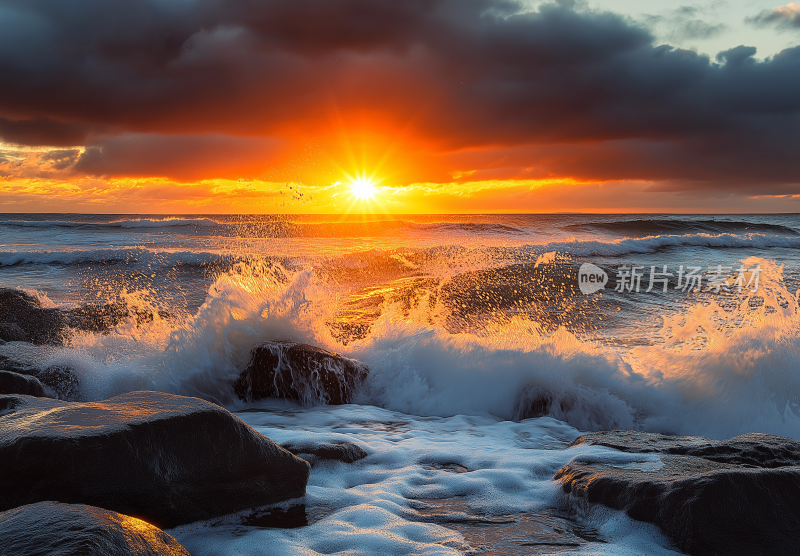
x=103 y=318
x=43 y=326
x=343 y=451
x=167 y=459
x=62 y=381
x=706 y=507
x=750 y=450
x=15 y=383
x=299 y=372
x=8 y=364
x=11 y=332
x=66 y=530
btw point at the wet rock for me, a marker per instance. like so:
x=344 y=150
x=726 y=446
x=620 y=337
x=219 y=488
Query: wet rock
x=750 y=450
x=343 y=451
x=8 y=364
x=15 y=383
x=748 y=504
x=66 y=530
x=11 y=332
x=63 y=382
x=167 y=459
x=103 y=318
x=299 y=372
x=42 y=326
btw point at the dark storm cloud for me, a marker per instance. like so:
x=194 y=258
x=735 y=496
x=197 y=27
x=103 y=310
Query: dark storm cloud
x=192 y=157
x=782 y=17
x=467 y=73
x=43 y=131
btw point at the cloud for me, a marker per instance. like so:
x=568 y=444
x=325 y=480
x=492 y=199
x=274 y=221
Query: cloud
x=781 y=17
x=685 y=23
x=184 y=157
x=188 y=89
x=44 y=131
x=61 y=159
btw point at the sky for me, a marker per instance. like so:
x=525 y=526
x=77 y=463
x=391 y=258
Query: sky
x=386 y=106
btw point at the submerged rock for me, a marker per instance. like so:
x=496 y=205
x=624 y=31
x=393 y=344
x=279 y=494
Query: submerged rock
x=67 y=530
x=299 y=372
x=346 y=452
x=15 y=383
x=167 y=459
x=747 y=503
x=11 y=332
x=41 y=325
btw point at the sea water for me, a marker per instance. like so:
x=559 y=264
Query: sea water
x=486 y=359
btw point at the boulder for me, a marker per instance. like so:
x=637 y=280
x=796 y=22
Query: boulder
x=748 y=504
x=299 y=372
x=41 y=325
x=15 y=383
x=63 y=382
x=67 y=530
x=166 y=459
x=11 y=332
x=750 y=450
x=343 y=451
x=103 y=318
x=8 y=364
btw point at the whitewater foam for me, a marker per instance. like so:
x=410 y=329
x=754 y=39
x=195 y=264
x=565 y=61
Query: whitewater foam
x=735 y=376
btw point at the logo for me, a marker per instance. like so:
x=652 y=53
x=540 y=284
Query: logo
x=591 y=278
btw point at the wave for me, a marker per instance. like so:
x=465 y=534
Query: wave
x=136 y=223
x=165 y=223
x=127 y=255
x=272 y=227
x=652 y=244
x=714 y=372
x=681 y=227
x=413 y=256
x=471 y=227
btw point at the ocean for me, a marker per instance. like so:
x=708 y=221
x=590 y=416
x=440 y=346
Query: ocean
x=486 y=356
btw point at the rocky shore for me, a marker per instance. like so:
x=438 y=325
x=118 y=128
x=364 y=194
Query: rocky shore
x=102 y=477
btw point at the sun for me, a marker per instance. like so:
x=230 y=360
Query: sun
x=363 y=188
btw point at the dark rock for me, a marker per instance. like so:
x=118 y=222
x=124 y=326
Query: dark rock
x=62 y=381
x=343 y=451
x=750 y=450
x=43 y=326
x=69 y=530
x=747 y=504
x=52 y=326
x=166 y=459
x=103 y=318
x=15 y=383
x=299 y=372
x=11 y=332
x=8 y=364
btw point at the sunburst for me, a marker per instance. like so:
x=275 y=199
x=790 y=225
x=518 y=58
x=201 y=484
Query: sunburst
x=363 y=189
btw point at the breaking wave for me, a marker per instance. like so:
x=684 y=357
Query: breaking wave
x=682 y=227
x=713 y=371
x=127 y=255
